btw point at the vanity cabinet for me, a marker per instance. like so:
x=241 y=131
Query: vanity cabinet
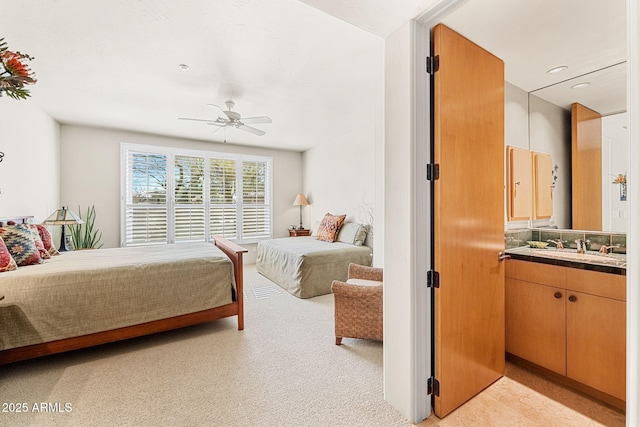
x=570 y=321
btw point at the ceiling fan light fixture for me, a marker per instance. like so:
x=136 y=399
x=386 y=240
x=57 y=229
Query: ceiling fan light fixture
x=580 y=85
x=558 y=69
x=183 y=67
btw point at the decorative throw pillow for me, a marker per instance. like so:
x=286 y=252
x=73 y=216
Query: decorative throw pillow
x=7 y=263
x=329 y=227
x=38 y=241
x=47 y=240
x=353 y=233
x=21 y=244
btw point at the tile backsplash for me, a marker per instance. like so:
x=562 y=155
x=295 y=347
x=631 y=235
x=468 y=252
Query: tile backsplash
x=594 y=239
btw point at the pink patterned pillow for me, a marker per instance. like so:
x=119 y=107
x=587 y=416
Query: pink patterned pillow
x=329 y=227
x=38 y=241
x=47 y=240
x=7 y=263
x=21 y=244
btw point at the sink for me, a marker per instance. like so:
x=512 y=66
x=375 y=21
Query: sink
x=574 y=256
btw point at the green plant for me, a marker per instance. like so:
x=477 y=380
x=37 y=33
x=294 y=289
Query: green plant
x=86 y=236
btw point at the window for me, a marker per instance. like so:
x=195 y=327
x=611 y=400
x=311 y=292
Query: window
x=210 y=194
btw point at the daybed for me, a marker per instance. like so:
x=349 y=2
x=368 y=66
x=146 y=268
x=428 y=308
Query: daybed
x=305 y=266
x=84 y=298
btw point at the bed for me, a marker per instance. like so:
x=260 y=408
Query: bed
x=305 y=266
x=90 y=297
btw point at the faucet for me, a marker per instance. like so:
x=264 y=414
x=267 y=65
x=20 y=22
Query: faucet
x=605 y=249
x=558 y=243
x=581 y=246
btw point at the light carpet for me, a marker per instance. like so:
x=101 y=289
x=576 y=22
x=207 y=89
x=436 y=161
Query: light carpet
x=284 y=369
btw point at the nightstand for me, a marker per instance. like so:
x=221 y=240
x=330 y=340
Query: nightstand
x=297 y=232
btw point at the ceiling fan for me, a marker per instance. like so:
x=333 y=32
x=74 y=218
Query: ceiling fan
x=231 y=118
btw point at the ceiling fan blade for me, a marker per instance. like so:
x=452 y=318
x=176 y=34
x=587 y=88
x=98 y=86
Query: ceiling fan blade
x=220 y=112
x=217 y=124
x=252 y=130
x=254 y=120
x=197 y=120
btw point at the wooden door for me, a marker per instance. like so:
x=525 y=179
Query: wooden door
x=542 y=186
x=586 y=168
x=535 y=323
x=468 y=219
x=596 y=342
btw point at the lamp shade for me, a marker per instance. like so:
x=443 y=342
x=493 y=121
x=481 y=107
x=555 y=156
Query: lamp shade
x=300 y=200
x=63 y=217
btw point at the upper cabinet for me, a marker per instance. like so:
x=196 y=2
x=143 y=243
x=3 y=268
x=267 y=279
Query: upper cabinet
x=529 y=185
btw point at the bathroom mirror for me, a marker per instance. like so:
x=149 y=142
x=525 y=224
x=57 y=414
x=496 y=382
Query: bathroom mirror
x=585 y=39
x=603 y=91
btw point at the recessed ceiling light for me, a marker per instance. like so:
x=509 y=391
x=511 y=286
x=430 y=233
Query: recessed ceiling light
x=580 y=85
x=557 y=69
x=183 y=67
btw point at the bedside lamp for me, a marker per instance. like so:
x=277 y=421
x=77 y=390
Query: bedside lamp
x=300 y=201
x=63 y=217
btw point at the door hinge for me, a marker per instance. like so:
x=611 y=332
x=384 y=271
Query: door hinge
x=433 y=64
x=433 y=171
x=433 y=387
x=433 y=279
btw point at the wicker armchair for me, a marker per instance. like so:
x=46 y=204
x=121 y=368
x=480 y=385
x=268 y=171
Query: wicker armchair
x=358 y=304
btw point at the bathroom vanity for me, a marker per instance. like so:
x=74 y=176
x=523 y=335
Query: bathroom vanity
x=566 y=314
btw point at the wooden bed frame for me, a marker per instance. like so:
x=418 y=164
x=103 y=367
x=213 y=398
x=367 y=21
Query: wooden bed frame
x=236 y=308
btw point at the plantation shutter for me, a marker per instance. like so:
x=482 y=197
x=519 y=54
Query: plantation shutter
x=256 y=200
x=189 y=188
x=222 y=205
x=145 y=210
x=178 y=195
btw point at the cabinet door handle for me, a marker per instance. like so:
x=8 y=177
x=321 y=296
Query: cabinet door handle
x=573 y=298
x=557 y=295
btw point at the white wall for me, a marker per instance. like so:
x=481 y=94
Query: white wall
x=399 y=375
x=29 y=173
x=339 y=178
x=90 y=175
x=550 y=133
x=615 y=160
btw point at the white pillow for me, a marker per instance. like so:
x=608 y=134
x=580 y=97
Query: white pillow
x=353 y=233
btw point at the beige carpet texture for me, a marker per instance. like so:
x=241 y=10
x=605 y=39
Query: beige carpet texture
x=284 y=369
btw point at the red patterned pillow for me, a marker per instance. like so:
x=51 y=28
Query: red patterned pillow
x=21 y=244
x=38 y=241
x=329 y=227
x=47 y=240
x=7 y=263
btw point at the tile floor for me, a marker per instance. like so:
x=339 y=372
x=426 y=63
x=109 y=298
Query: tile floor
x=524 y=399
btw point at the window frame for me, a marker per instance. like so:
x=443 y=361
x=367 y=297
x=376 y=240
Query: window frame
x=171 y=153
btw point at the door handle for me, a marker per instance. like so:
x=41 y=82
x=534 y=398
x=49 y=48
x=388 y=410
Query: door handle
x=502 y=256
x=573 y=298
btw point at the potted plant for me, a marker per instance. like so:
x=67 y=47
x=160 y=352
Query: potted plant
x=86 y=236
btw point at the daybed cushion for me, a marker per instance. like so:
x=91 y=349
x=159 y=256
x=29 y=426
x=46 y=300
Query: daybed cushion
x=7 y=263
x=330 y=227
x=305 y=267
x=21 y=244
x=83 y=292
x=352 y=233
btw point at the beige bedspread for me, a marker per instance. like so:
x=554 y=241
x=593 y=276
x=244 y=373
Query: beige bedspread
x=83 y=292
x=305 y=266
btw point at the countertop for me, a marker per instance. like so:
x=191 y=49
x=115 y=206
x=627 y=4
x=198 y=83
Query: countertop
x=609 y=263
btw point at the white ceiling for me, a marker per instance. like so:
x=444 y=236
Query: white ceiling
x=533 y=36
x=314 y=66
